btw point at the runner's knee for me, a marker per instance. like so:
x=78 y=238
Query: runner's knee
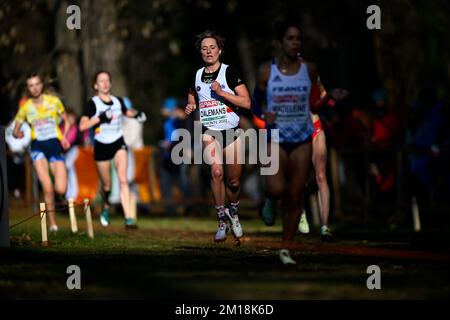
x=217 y=174
x=123 y=179
x=276 y=190
x=321 y=178
x=61 y=190
x=234 y=185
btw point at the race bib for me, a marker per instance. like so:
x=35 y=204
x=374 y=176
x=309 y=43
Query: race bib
x=45 y=129
x=110 y=128
x=212 y=113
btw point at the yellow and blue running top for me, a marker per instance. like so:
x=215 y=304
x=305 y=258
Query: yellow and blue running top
x=43 y=119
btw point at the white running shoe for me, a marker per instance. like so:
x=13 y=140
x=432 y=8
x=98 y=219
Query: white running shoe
x=303 y=225
x=104 y=217
x=326 y=235
x=285 y=257
x=54 y=228
x=221 y=234
x=235 y=224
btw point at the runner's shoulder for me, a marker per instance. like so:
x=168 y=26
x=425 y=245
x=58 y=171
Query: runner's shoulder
x=50 y=97
x=266 y=67
x=25 y=104
x=313 y=71
x=264 y=71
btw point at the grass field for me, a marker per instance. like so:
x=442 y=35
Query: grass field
x=175 y=258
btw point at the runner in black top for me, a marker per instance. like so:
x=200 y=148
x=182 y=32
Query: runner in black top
x=104 y=114
x=219 y=92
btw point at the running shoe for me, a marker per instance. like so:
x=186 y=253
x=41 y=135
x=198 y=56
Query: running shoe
x=221 y=234
x=54 y=228
x=130 y=223
x=285 y=257
x=303 y=225
x=235 y=224
x=268 y=212
x=326 y=235
x=104 y=217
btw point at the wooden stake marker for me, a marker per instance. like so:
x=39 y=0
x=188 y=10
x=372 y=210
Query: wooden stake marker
x=87 y=210
x=416 y=214
x=73 y=218
x=43 y=216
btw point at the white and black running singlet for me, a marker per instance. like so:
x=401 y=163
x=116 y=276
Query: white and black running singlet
x=106 y=132
x=215 y=112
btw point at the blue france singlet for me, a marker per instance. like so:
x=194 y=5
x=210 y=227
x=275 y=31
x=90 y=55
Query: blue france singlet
x=288 y=97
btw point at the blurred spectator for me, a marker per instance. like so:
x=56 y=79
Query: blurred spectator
x=444 y=146
x=385 y=134
x=385 y=122
x=74 y=137
x=17 y=149
x=425 y=122
x=347 y=127
x=172 y=175
x=133 y=130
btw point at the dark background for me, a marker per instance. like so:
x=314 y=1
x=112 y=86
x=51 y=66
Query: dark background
x=149 y=46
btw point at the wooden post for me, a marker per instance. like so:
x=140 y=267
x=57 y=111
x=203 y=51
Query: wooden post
x=43 y=216
x=73 y=218
x=87 y=210
x=416 y=215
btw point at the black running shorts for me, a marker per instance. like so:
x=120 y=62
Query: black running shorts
x=107 y=151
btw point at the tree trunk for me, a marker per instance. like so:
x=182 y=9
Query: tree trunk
x=102 y=49
x=247 y=62
x=68 y=68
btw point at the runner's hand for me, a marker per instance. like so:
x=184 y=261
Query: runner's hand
x=65 y=143
x=190 y=108
x=215 y=87
x=19 y=135
x=105 y=116
x=141 y=117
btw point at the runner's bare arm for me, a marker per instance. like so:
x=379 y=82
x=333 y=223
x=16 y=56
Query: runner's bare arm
x=260 y=107
x=191 y=105
x=138 y=115
x=16 y=132
x=319 y=95
x=86 y=123
x=241 y=99
x=64 y=142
